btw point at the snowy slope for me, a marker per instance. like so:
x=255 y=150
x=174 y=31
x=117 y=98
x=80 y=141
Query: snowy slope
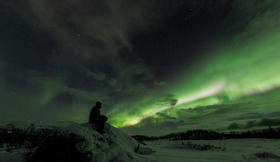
x=76 y=141
x=112 y=145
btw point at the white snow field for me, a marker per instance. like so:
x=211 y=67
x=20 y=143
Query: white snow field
x=115 y=145
x=235 y=150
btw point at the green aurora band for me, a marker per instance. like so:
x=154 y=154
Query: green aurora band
x=248 y=66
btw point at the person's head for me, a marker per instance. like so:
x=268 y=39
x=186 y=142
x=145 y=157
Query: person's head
x=98 y=104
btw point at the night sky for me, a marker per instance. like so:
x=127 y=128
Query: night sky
x=157 y=66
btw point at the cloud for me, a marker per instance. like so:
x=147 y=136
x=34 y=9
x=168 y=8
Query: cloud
x=159 y=83
x=255 y=116
x=99 y=27
x=264 y=122
x=232 y=115
x=91 y=42
x=165 y=116
x=27 y=94
x=86 y=49
x=157 y=126
x=64 y=99
x=233 y=126
x=137 y=109
x=170 y=98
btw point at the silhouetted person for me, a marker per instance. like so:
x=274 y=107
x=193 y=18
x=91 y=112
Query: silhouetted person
x=96 y=118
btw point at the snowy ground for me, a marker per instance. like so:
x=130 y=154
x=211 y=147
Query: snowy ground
x=235 y=150
x=114 y=145
x=12 y=156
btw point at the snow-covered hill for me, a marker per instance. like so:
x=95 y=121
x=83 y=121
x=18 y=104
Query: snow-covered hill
x=81 y=142
x=88 y=144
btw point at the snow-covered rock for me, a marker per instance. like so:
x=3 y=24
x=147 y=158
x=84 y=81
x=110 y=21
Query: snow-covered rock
x=81 y=142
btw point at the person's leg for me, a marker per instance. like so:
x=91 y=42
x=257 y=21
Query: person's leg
x=100 y=126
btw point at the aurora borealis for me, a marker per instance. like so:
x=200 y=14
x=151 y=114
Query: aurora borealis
x=157 y=67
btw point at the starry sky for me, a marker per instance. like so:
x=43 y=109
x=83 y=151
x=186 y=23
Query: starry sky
x=157 y=66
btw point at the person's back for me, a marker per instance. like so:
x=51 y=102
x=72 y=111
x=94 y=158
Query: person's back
x=96 y=118
x=94 y=114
